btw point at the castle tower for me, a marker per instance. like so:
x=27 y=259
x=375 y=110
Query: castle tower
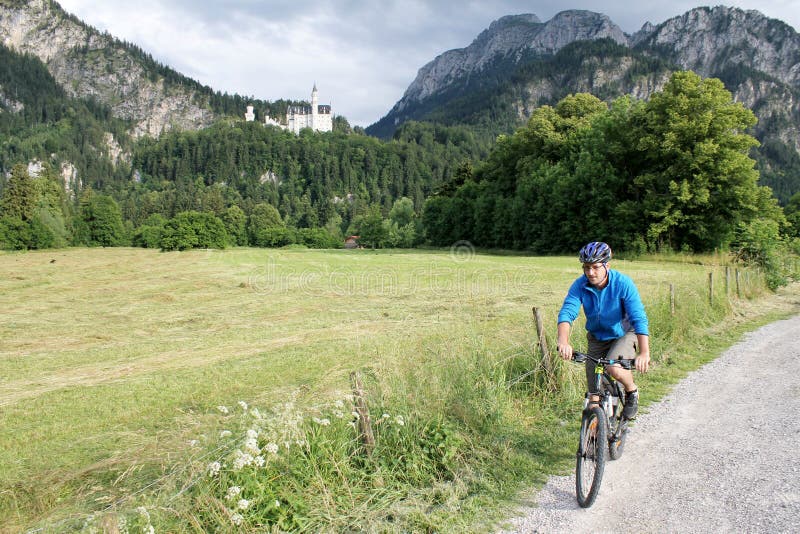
x=314 y=108
x=249 y=116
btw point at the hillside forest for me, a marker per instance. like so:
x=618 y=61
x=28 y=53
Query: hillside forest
x=676 y=172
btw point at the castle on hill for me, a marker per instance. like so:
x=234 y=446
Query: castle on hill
x=316 y=116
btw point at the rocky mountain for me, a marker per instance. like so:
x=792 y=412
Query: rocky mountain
x=520 y=63
x=515 y=37
x=87 y=63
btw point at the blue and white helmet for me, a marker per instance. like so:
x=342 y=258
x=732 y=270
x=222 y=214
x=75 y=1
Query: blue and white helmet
x=595 y=252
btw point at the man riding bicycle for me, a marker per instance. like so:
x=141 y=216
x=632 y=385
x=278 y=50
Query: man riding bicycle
x=616 y=322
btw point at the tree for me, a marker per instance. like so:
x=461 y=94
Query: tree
x=265 y=227
x=100 y=221
x=370 y=228
x=792 y=210
x=402 y=212
x=236 y=225
x=149 y=234
x=698 y=181
x=15 y=234
x=194 y=229
x=19 y=195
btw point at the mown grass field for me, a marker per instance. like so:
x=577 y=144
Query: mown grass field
x=113 y=361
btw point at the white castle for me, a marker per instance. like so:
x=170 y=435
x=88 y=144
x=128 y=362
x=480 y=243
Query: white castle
x=316 y=116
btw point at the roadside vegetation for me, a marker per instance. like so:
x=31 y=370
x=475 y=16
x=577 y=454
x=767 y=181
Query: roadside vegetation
x=206 y=391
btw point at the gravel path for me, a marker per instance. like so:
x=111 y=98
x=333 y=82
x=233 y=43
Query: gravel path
x=718 y=454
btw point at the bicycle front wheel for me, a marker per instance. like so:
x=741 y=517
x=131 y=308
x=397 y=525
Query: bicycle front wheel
x=591 y=456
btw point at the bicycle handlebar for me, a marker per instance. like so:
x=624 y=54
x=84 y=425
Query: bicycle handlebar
x=580 y=357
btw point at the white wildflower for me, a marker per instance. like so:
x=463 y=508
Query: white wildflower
x=300 y=442
x=223 y=409
x=143 y=511
x=150 y=530
x=277 y=503
x=338 y=414
x=251 y=446
x=385 y=416
x=242 y=459
x=225 y=433
x=355 y=414
x=252 y=433
x=237 y=519
x=271 y=448
x=233 y=492
x=193 y=443
x=255 y=413
x=213 y=469
x=399 y=420
x=322 y=422
x=259 y=461
x=243 y=504
x=339 y=404
x=243 y=405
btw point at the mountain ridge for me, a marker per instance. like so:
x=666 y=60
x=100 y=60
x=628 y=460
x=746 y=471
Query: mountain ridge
x=497 y=88
x=91 y=64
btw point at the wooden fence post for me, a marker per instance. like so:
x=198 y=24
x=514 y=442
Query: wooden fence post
x=364 y=422
x=548 y=365
x=738 y=290
x=711 y=288
x=727 y=279
x=672 y=298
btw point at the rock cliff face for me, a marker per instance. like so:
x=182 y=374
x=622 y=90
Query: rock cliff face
x=708 y=40
x=511 y=36
x=758 y=59
x=88 y=63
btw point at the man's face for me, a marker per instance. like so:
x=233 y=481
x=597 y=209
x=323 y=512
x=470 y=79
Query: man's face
x=595 y=272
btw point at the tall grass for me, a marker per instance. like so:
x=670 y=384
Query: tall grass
x=129 y=392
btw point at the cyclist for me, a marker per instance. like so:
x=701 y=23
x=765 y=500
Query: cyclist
x=616 y=322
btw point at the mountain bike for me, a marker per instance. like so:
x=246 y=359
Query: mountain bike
x=602 y=428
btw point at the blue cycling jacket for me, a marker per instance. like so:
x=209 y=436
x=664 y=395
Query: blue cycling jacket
x=611 y=311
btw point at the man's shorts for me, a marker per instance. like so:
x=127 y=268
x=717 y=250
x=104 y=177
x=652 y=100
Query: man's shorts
x=624 y=347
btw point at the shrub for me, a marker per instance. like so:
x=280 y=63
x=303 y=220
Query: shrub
x=193 y=229
x=273 y=236
x=149 y=234
x=318 y=238
x=759 y=242
x=15 y=234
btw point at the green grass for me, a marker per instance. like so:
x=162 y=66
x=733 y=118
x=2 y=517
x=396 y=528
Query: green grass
x=113 y=362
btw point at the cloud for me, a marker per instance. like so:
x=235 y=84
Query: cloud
x=361 y=54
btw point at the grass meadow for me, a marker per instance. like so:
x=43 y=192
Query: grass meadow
x=116 y=365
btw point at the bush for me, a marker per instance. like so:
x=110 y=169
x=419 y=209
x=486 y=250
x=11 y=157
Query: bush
x=759 y=243
x=318 y=238
x=15 y=234
x=41 y=235
x=193 y=229
x=273 y=236
x=149 y=234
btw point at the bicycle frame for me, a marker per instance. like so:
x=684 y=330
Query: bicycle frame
x=606 y=391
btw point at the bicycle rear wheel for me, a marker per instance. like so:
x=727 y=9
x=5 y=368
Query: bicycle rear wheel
x=591 y=456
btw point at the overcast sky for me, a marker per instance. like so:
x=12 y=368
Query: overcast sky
x=362 y=54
